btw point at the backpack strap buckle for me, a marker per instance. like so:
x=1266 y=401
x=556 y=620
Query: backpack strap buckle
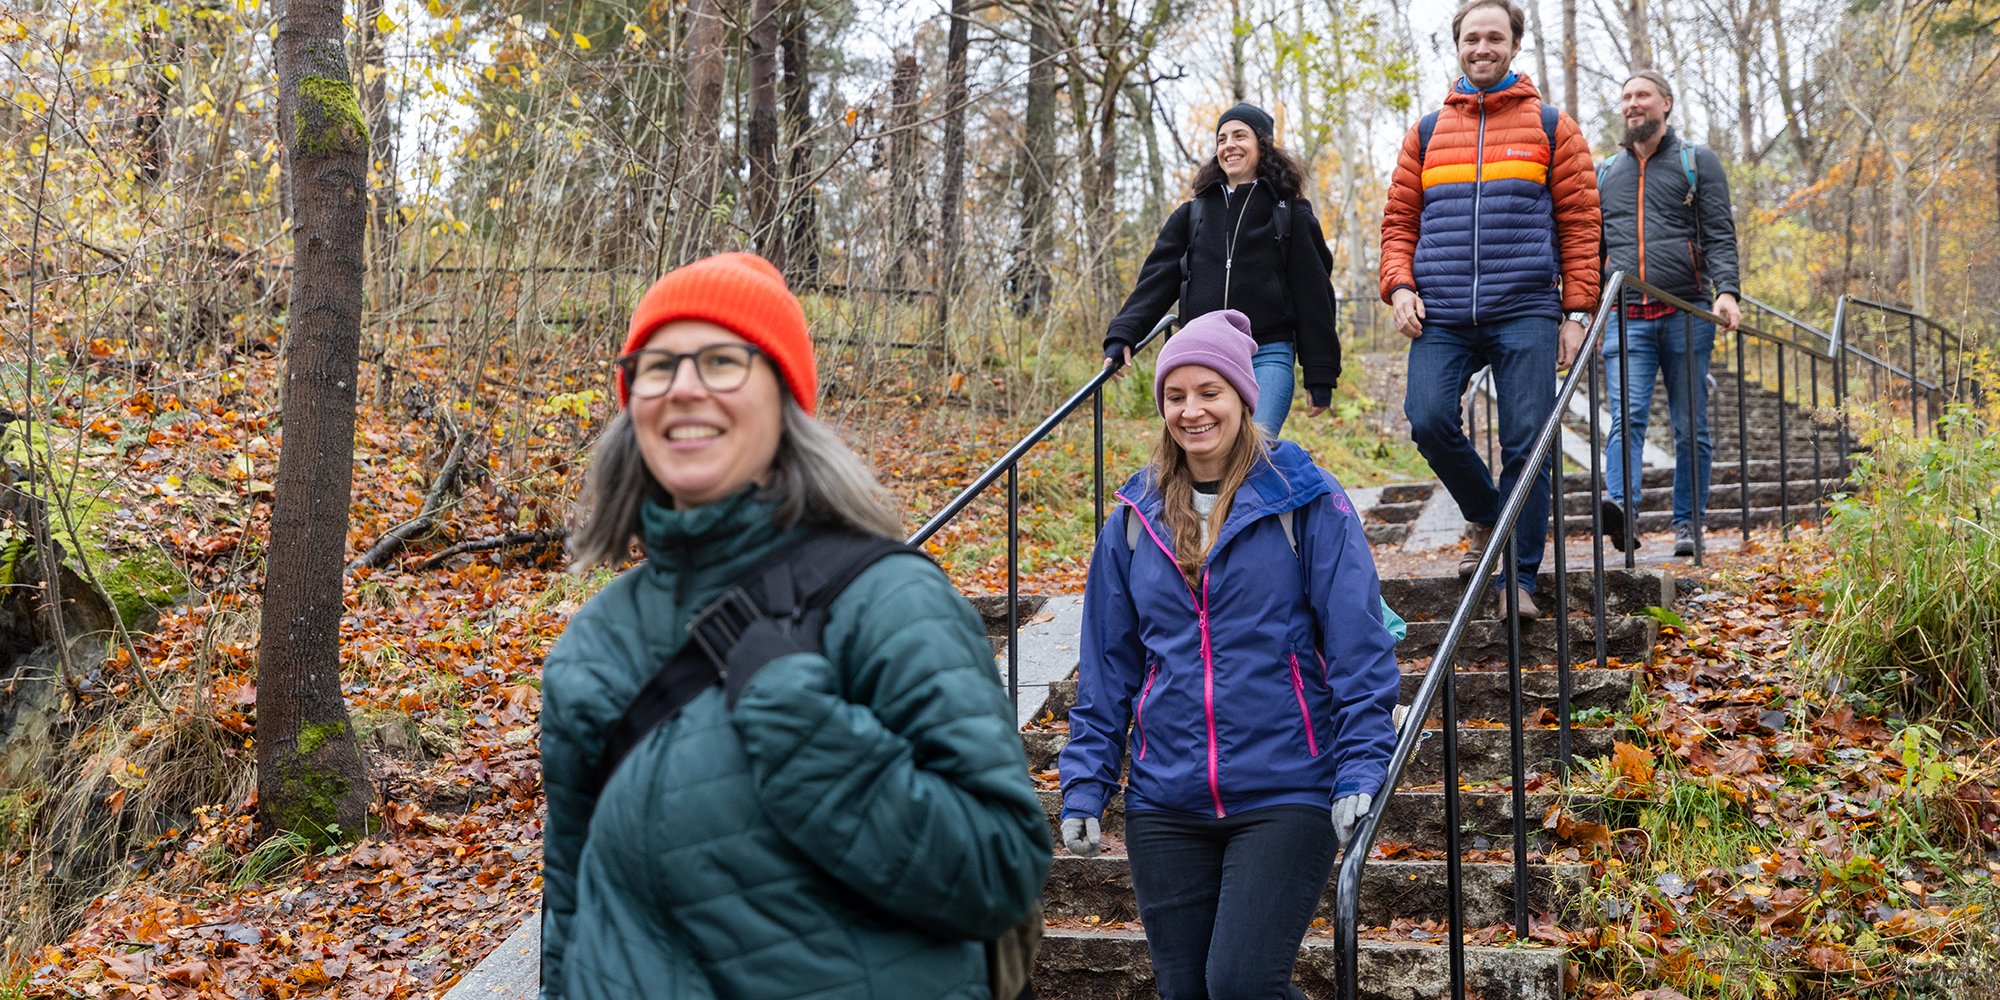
x=717 y=628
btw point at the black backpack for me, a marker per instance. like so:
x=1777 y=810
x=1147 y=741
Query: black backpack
x=795 y=586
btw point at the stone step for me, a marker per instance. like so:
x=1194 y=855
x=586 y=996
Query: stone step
x=1415 y=816
x=1407 y=492
x=1395 y=513
x=1481 y=693
x=1112 y=964
x=1435 y=598
x=1799 y=469
x=1630 y=638
x=1386 y=534
x=1719 y=497
x=1484 y=753
x=1102 y=887
x=1719 y=519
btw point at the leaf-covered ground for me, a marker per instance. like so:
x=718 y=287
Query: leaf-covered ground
x=1759 y=835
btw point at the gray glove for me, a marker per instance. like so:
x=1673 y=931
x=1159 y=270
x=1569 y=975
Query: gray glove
x=1080 y=834
x=1347 y=813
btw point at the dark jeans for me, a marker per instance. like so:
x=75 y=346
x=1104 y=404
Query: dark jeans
x=1659 y=348
x=1442 y=362
x=1227 y=901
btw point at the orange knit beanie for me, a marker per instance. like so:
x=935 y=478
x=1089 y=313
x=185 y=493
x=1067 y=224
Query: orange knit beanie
x=744 y=294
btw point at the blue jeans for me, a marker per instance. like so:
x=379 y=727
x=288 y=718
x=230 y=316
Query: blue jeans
x=1227 y=901
x=1271 y=365
x=1659 y=346
x=1443 y=360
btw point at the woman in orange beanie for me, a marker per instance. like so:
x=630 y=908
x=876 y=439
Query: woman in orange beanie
x=777 y=756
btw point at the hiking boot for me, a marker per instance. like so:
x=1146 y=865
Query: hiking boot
x=1477 y=537
x=1615 y=528
x=1524 y=605
x=1683 y=540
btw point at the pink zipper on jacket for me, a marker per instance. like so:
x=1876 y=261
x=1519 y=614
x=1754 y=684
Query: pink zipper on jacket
x=1200 y=602
x=1305 y=714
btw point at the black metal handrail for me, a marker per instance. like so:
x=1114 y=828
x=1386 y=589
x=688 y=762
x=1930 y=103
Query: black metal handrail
x=1813 y=356
x=1926 y=397
x=1009 y=465
x=1440 y=674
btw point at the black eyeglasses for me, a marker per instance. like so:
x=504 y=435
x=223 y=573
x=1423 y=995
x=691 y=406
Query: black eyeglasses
x=720 y=367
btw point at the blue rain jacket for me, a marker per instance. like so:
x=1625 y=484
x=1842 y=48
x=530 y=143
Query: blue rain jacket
x=1268 y=680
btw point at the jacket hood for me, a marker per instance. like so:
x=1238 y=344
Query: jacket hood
x=1522 y=88
x=1288 y=481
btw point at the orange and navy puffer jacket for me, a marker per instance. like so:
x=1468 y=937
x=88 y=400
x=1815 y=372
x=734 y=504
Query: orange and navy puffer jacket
x=1478 y=226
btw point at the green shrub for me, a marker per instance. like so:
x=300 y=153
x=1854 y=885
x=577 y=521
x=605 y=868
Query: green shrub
x=1912 y=597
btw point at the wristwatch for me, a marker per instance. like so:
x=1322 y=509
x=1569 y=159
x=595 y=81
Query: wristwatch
x=1581 y=319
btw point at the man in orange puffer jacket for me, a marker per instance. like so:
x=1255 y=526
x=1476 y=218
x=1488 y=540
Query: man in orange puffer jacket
x=1490 y=257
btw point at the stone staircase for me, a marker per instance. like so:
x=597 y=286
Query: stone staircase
x=1095 y=949
x=1785 y=484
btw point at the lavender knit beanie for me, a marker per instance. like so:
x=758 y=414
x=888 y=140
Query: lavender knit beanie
x=1219 y=341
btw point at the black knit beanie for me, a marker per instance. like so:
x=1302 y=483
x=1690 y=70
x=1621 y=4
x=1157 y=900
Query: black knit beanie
x=1249 y=114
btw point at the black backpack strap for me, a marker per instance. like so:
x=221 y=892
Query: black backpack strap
x=795 y=585
x=1187 y=255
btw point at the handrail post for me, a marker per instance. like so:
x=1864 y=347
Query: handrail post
x=1631 y=503
x=1517 y=746
x=1784 y=458
x=1743 y=441
x=1097 y=461
x=1014 y=585
x=1556 y=487
x=1698 y=487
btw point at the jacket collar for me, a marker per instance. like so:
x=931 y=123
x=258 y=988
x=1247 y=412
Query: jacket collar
x=1668 y=140
x=720 y=540
x=1516 y=87
x=1288 y=481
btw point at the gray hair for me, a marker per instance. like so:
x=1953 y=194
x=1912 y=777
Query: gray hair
x=1656 y=78
x=815 y=478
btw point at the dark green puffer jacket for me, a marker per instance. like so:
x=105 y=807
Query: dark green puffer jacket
x=853 y=830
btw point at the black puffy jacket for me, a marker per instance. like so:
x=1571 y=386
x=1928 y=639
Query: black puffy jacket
x=1285 y=290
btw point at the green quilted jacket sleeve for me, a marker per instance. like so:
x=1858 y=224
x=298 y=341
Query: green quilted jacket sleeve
x=893 y=760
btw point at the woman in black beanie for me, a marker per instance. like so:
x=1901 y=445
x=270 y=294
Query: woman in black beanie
x=1246 y=240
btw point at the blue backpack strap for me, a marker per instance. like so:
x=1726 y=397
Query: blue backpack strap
x=1425 y=126
x=1604 y=168
x=1687 y=167
x=1549 y=118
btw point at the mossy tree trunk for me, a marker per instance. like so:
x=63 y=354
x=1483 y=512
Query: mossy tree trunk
x=310 y=774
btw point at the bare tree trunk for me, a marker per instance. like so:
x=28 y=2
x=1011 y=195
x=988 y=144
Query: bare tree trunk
x=1638 y=34
x=381 y=131
x=1569 y=60
x=706 y=65
x=150 y=128
x=310 y=775
x=1237 y=39
x=953 y=188
x=765 y=233
x=1542 y=77
x=1030 y=279
x=801 y=255
x=905 y=176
